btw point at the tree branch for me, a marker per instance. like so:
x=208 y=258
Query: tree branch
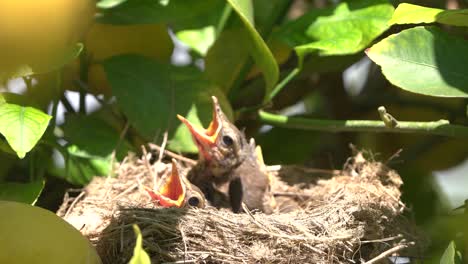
x=441 y=127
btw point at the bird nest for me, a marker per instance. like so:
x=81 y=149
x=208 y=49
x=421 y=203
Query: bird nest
x=349 y=216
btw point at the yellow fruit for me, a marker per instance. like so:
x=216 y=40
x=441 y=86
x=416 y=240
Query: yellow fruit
x=33 y=31
x=104 y=41
x=31 y=234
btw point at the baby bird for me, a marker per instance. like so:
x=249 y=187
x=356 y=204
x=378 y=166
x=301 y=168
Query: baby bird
x=225 y=157
x=177 y=191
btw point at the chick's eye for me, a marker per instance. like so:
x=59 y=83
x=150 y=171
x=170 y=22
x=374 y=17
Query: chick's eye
x=193 y=201
x=228 y=141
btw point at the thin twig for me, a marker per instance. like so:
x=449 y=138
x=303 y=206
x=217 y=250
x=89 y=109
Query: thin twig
x=291 y=194
x=387 y=253
x=147 y=165
x=441 y=127
x=73 y=204
x=182 y=234
x=119 y=142
x=383 y=239
x=172 y=154
x=274 y=168
x=129 y=189
x=163 y=147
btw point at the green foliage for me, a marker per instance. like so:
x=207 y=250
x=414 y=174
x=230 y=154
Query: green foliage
x=22 y=126
x=257 y=57
x=139 y=254
x=158 y=85
x=437 y=57
x=21 y=192
x=155 y=12
x=257 y=47
x=449 y=255
x=345 y=29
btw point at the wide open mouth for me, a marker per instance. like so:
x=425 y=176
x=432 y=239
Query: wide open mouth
x=172 y=192
x=206 y=138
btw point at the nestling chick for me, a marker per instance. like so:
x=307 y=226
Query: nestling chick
x=225 y=156
x=176 y=191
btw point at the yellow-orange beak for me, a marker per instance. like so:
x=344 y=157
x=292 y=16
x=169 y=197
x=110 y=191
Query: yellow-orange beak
x=172 y=192
x=206 y=138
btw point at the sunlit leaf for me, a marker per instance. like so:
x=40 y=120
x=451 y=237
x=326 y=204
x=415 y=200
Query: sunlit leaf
x=21 y=192
x=345 y=29
x=55 y=62
x=424 y=60
x=139 y=254
x=22 y=126
x=414 y=14
x=109 y=3
x=449 y=254
x=151 y=94
x=257 y=47
x=200 y=31
x=199 y=40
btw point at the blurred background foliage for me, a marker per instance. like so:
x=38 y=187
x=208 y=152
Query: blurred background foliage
x=89 y=81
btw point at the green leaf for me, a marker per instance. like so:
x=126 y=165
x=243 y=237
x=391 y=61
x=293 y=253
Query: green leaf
x=21 y=192
x=345 y=29
x=414 y=14
x=139 y=254
x=55 y=62
x=200 y=40
x=424 y=60
x=22 y=126
x=226 y=58
x=151 y=94
x=449 y=254
x=94 y=136
x=154 y=12
x=301 y=144
x=200 y=32
x=258 y=48
x=80 y=166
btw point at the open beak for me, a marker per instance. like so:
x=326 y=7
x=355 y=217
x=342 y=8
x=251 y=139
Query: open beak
x=206 y=138
x=173 y=191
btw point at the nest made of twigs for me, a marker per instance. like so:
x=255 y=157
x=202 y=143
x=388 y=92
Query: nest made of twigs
x=350 y=216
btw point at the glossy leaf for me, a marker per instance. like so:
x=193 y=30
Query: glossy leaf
x=22 y=126
x=424 y=60
x=151 y=94
x=414 y=14
x=153 y=11
x=21 y=192
x=347 y=28
x=139 y=254
x=258 y=48
x=57 y=61
x=449 y=254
